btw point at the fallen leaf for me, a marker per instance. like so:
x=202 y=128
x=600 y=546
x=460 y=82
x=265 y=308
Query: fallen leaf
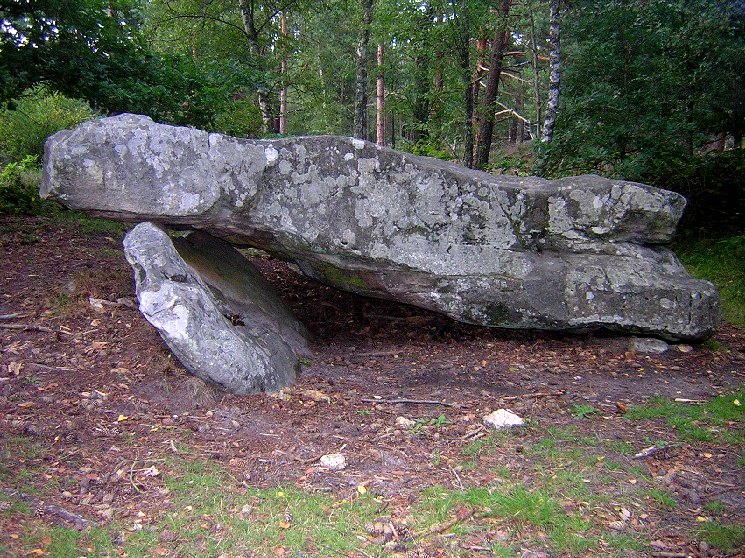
x=284 y=525
x=279 y=551
x=15 y=368
x=736 y=402
x=121 y=418
x=361 y=489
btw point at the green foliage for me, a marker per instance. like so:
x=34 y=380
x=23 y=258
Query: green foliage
x=36 y=115
x=426 y=148
x=719 y=261
x=647 y=88
x=583 y=410
x=19 y=186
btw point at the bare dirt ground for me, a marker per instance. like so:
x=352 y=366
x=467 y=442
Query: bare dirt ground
x=95 y=386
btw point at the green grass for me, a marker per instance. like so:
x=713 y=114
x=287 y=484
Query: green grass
x=584 y=410
x=260 y=520
x=721 y=262
x=662 y=498
x=723 y=537
x=707 y=422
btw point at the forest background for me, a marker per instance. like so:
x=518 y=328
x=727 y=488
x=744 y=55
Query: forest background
x=643 y=90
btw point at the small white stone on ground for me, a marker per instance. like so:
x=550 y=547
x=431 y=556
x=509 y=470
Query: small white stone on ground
x=335 y=461
x=405 y=423
x=502 y=418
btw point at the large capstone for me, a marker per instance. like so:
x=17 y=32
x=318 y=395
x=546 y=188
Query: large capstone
x=214 y=310
x=498 y=251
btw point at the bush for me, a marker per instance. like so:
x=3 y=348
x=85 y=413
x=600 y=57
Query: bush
x=19 y=186
x=25 y=126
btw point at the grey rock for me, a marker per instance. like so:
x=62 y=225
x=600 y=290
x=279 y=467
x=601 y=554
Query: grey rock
x=648 y=345
x=214 y=311
x=500 y=251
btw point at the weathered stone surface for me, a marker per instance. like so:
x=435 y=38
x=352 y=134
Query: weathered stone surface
x=214 y=310
x=491 y=250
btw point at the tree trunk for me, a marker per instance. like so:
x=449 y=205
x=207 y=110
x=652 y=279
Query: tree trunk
x=380 y=101
x=737 y=117
x=283 y=71
x=464 y=55
x=265 y=105
x=360 y=97
x=486 y=128
x=536 y=76
x=478 y=75
x=552 y=106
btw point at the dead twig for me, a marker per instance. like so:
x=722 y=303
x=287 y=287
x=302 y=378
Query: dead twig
x=12 y=316
x=651 y=450
x=536 y=395
x=666 y=554
x=28 y=327
x=77 y=521
x=410 y=402
x=46 y=367
x=460 y=516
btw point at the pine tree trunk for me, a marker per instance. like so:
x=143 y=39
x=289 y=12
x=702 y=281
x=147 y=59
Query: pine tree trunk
x=360 y=96
x=499 y=46
x=552 y=106
x=380 y=101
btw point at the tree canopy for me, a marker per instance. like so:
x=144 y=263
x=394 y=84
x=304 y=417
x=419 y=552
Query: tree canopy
x=648 y=87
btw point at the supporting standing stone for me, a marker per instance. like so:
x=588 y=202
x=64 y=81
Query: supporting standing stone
x=214 y=310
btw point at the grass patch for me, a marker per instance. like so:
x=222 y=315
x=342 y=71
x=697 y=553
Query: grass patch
x=212 y=519
x=721 y=536
x=662 y=498
x=707 y=422
x=719 y=261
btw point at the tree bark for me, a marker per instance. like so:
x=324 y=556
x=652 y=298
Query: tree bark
x=552 y=106
x=464 y=56
x=536 y=76
x=360 y=97
x=380 y=100
x=486 y=127
x=265 y=106
x=283 y=72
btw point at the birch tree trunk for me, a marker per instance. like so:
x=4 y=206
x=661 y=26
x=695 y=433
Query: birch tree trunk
x=499 y=46
x=464 y=57
x=360 y=96
x=283 y=72
x=552 y=105
x=380 y=98
x=536 y=76
x=249 y=25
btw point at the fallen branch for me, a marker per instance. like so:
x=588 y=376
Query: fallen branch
x=536 y=395
x=460 y=516
x=651 y=450
x=12 y=316
x=409 y=401
x=77 y=521
x=27 y=327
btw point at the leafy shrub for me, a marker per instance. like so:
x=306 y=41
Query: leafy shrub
x=19 y=186
x=427 y=149
x=25 y=126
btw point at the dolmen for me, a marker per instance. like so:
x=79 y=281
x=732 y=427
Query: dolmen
x=496 y=251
